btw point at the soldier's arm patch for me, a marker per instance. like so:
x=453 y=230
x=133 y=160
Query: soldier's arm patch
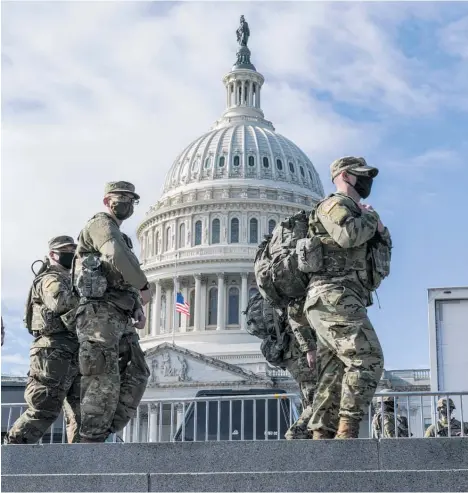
x=335 y=211
x=51 y=286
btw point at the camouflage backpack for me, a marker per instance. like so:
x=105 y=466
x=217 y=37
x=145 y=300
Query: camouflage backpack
x=266 y=324
x=276 y=264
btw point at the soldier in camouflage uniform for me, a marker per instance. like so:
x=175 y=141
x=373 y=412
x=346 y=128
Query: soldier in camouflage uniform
x=281 y=348
x=387 y=416
x=300 y=360
x=355 y=256
x=441 y=428
x=113 y=289
x=53 y=378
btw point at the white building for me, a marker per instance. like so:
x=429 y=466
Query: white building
x=224 y=192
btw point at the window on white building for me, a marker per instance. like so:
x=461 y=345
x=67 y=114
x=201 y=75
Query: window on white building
x=279 y=164
x=251 y=161
x=266 y=163
x=236 y=161
x=198 y=233
x=222 y=159
x=253 y=230
x=291 y=167
x=182 y=235
x=213 y=306
x=234 y=230
x=215 y=231
x=271 y=226
x=163 y=313
x=168 y=238
x=192 y=308
x=233 y=306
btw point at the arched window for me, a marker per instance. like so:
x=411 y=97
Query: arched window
x=236 y=161
x=168 y=238
x=163 y=314
x=266 y=163
x=233 y=306
x=156 y=244
x=198 y=233
x=310 y=174
x=279 y=164
x=207 y=162
x=271 y=226
x=215 y=231
x=252 y=292
x=234 y=230
x=182 y=235
x=302 y=171
x=251 y=161
x=221 y=161
x=213 y=306
x=291 y=167
x=192 y=308
x=253 y=231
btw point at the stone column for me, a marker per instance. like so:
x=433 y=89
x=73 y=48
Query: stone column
x=196 y=317
x=244 y=299
x=169 y=305
x=184 y=318
x=136 y=430
x=156 y=312
x=153 y=422
x=221 y=302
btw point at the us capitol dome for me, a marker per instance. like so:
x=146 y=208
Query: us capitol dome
x=223 y=193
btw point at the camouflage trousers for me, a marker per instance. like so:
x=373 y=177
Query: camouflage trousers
x=53 y=382
x=349 y=356
x=306 y=378
x=114 y=370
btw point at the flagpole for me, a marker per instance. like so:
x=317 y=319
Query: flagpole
x=174 y=301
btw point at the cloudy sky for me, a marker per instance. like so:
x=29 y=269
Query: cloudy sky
x=100 y=91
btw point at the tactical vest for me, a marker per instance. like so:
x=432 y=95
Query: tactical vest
x=276 y=265
x=442 y=428
x=377 y=425
x=371 y=261
x=39 y=320
x=98 y=280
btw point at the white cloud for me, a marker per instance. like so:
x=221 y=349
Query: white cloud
x=99 y=91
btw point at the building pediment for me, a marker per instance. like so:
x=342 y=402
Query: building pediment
x=174 y=366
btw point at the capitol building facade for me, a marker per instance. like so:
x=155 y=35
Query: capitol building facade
x=224 y=192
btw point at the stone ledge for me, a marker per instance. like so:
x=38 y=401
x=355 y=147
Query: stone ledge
x=195 y=457
x=75 y=482
x=300 y=481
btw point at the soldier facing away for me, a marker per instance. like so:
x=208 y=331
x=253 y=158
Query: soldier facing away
x=53 y=378
x=441 y=428
x=350 y=260
x=113 y=289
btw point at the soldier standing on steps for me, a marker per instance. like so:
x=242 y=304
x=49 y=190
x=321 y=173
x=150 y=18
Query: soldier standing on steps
x=53 y=377
x=113 y=289
x=355 y=257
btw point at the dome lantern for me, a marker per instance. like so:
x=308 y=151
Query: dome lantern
x=243 y=86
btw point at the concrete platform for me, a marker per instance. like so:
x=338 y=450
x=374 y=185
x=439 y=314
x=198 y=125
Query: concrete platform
x=295 y=466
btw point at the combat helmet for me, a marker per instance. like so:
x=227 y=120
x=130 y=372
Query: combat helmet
x=442 y=402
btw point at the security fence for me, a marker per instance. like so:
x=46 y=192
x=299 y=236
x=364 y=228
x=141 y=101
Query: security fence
x=257 y=417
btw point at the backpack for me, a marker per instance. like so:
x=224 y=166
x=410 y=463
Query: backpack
x=276 y=263
x=266 y=324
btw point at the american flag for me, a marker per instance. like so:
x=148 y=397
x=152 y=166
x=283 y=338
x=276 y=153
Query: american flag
x=181 y=305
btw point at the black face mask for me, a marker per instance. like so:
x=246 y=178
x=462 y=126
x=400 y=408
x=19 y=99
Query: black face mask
x=65 y=259
x=122 y=210
x=363 y=186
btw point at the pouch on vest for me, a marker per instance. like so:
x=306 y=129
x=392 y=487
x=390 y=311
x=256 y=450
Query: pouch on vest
x=91 y=282
x=309 y=254
x=69 y=320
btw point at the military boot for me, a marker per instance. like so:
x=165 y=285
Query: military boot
x=348 y=428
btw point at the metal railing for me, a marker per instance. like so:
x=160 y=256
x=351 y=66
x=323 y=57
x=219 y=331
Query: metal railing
x=256 y=417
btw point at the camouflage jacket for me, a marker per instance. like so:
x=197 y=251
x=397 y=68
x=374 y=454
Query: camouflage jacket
x=345 y=231
x=440 y=429
x=102 y=236
x=51 y=298
x=389 y=429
